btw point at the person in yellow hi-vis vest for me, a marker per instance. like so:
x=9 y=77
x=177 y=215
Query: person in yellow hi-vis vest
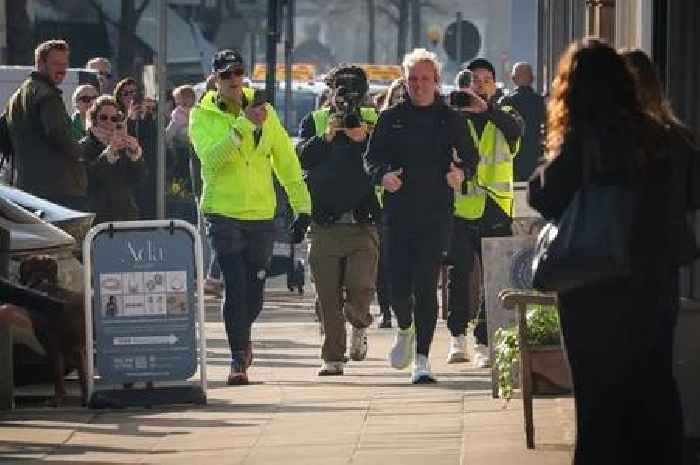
x=344 y=241
x=485 y=208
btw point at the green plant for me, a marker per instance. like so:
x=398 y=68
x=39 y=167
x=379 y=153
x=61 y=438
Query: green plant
x=178 y=189
x=542 y=329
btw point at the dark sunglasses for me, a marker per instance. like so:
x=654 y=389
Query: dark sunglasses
x=106 y=75
x=87 y=98
x=229 y=74
x=128 y=93
x=113 y=118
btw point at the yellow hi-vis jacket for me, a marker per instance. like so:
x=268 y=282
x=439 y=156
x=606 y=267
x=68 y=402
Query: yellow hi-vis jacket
x=494 y=174
x=367 y=115
x=237 y=172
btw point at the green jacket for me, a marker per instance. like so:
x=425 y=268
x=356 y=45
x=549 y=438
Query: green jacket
x=237 y=173
x=47 y=156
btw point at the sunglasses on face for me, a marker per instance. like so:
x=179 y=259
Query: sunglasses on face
x=234 y=72
x=113 y=118
x=105 y=74
x=86 y=98
x=128 y=93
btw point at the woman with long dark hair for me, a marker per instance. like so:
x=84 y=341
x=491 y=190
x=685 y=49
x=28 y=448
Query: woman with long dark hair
x=618 y=333
x=141 y=123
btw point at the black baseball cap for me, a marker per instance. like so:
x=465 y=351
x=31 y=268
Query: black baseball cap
x=482 y=63
x=225 y=60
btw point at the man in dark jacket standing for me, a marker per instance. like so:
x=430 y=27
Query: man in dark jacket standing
x=46 y=157
x=344 y=239
x=420 y=153
x=530 y=105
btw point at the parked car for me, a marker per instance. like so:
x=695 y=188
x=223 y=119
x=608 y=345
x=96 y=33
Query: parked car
x=38 y=226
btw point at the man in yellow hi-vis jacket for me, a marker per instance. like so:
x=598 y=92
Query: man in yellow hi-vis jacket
x=485 y=208
x=240 y=142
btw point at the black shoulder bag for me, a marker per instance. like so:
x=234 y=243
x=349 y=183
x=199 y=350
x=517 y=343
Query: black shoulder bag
x=591 y=241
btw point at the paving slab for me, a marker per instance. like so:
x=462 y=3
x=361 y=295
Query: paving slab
x=372 y=415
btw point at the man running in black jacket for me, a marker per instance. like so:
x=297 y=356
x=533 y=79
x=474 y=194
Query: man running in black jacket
x=420 y=153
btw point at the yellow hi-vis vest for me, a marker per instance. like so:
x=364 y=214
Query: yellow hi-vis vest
x=494 y=174
x=367 y=115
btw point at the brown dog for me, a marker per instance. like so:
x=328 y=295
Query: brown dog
x=66 y=332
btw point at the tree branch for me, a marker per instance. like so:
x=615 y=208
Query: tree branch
x=382 y=9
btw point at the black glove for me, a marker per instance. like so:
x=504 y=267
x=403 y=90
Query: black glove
x=299 y=227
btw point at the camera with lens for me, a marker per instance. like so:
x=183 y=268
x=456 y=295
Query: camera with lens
x=460 y=99
x=349 y=93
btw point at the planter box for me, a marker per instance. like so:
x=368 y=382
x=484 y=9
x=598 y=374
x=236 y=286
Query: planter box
x=550 y=370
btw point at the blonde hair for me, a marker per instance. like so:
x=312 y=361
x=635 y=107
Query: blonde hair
x=96 y=61
x=184 y=91
x=419 y=55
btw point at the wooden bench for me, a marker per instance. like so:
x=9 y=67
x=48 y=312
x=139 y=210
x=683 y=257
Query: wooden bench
x=519 y=299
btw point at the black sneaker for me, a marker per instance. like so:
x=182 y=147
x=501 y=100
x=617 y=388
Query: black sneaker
x=238 y=375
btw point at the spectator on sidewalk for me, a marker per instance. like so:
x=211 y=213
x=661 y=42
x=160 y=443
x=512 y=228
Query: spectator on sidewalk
x=104 y=73
x=414 y=154
x=115 y=163
x=177 y=136
x=618 y=333
x=141 y=123
x=46 y=155
x=530 y=106
x=82 y=100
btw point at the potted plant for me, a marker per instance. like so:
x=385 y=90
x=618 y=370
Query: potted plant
x=179 y=201
x=549 y=365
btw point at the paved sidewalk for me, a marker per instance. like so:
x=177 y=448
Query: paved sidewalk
x=372 y=415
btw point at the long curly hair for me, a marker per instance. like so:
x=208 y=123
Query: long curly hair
x=594 y=88
x=651 y=93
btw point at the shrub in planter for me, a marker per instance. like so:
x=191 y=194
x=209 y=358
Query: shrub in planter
x=542 y=331
x=179 y=201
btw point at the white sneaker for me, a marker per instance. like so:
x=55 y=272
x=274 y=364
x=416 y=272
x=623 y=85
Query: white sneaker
x=481 y=356
x=403 y=350
x=457 y=353
x=358 y=344
x=331 y=369
x=421 y=371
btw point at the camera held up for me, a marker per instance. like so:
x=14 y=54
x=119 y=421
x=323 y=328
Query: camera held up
x=349 y=94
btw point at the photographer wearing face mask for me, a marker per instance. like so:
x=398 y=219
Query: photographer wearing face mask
x=344 y=241
x=486 y=207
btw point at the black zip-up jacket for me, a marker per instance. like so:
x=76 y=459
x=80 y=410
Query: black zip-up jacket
x=335 y=176
x=421 y=141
